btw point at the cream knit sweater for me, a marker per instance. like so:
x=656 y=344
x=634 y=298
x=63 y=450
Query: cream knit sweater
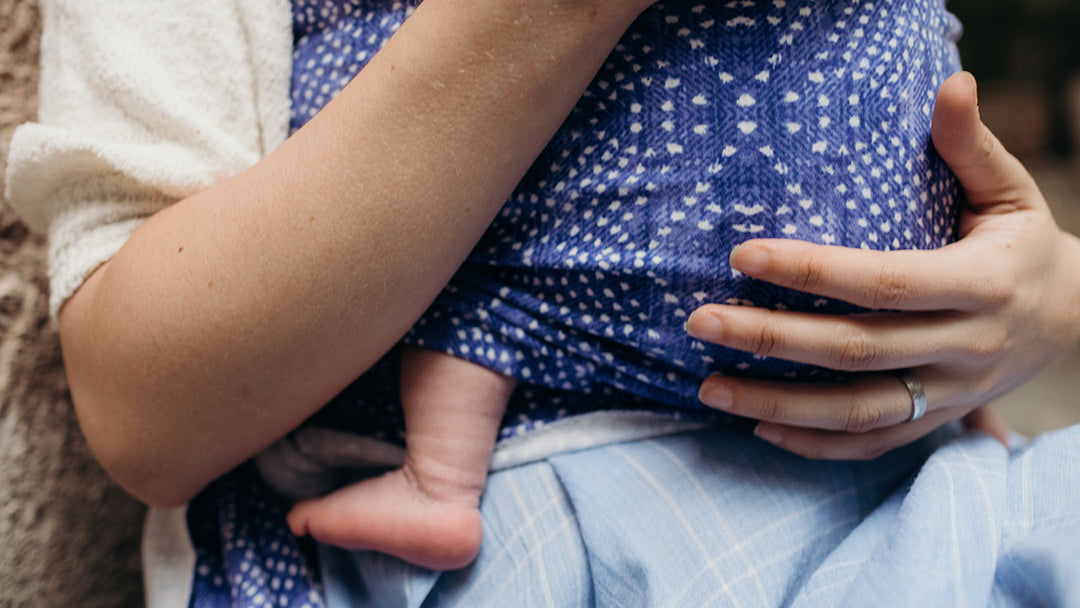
x=143 y=103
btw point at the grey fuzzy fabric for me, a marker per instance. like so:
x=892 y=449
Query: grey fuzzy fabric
x=68 y=535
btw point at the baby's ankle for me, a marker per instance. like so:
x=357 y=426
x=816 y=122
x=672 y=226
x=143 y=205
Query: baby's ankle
x=441 y=483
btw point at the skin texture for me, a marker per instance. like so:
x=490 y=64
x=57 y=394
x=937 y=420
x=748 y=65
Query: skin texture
x=977 y=318
x=230 y=317
x=427 y=512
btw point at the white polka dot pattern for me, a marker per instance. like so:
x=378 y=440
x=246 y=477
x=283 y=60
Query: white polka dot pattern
x=711 y=123
x=245 y=554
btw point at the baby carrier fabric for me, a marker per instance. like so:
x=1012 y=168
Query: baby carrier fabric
x=708 y=125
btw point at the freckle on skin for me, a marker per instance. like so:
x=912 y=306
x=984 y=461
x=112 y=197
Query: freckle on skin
x=180 y=250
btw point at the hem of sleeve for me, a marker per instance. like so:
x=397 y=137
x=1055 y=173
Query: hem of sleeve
x=168 y=558
x=83 y=237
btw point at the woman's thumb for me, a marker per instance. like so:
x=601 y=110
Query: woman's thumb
x=987 y=172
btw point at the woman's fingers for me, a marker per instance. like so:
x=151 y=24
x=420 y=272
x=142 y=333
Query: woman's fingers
x=977 y=316
x=955 y=277
x=832 y=445
x=863 y=342
x=990 y=176
x=858 y=405
x=942 y=279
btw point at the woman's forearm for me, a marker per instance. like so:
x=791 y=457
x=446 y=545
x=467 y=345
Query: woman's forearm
x=230 y=317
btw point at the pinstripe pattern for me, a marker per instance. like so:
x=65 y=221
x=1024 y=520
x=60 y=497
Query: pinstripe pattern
x=713 y=518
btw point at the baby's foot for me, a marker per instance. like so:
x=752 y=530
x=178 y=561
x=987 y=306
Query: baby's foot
x=394 y=514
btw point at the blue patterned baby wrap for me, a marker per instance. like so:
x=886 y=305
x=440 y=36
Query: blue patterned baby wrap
x=710 y=124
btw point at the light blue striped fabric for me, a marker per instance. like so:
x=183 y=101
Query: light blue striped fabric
x=716 y=518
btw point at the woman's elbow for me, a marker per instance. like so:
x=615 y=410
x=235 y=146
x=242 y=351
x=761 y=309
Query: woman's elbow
x=141 y=465
x=153 y=488
x=118 y=424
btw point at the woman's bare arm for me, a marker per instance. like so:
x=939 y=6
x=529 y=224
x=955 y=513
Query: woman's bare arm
x=230 y=317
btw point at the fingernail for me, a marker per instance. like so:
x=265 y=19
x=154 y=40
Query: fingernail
x=704 y=326
x=768 y=433
x=749 y=259
x=715 y=394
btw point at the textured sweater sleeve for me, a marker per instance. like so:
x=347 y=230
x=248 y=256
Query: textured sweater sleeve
x=143 y=103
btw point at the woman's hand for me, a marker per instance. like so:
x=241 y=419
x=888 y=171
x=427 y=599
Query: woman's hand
x=977 y=318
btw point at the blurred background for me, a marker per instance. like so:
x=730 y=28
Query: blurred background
x=1026 y=57
x=69 y=537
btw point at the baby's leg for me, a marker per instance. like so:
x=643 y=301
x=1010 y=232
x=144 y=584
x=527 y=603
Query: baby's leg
x=427 y=512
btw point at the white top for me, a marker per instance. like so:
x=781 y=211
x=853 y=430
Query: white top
x=143 y=104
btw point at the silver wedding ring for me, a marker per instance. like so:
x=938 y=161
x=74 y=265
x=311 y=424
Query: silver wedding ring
x=915 y=389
